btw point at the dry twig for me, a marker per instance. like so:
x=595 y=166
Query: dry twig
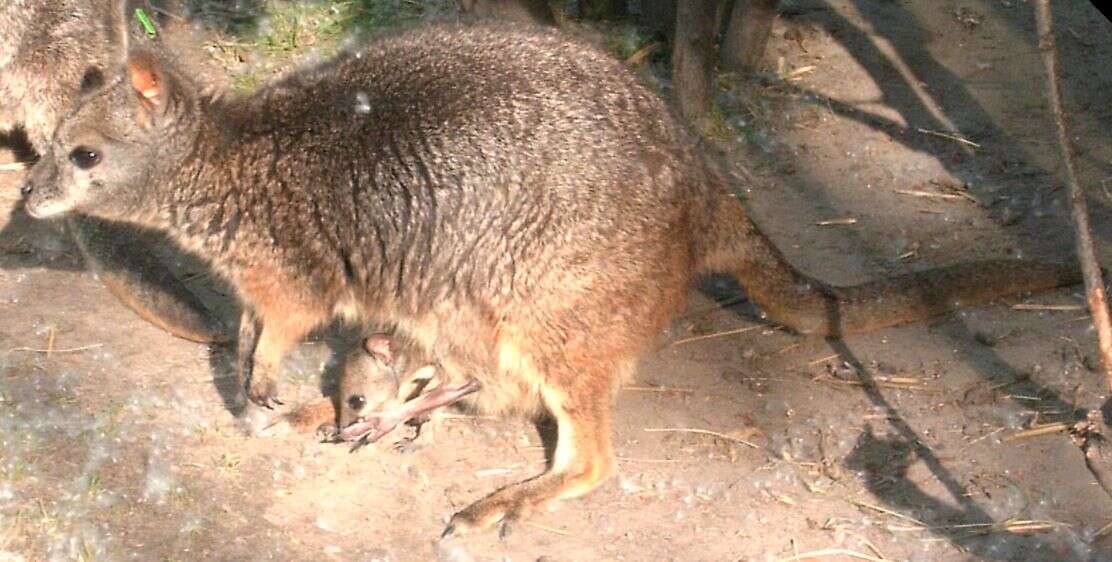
x=837 y=222
x=1045 y=429
x=48 y=350
x=930 y=194
x=643 y=54
x=950 y=136
x=716 y=335
x=660 y=389
x=830 y=552
x=700 y=432
x=1055 y=307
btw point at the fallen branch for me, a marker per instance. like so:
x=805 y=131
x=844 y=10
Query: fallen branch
x=1090 y=434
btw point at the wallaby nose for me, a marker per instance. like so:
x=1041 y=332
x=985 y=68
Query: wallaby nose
x=27 y=188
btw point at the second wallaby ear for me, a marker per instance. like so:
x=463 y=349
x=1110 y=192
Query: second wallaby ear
x=381 y=347
x=116 y=24
x=147 y=80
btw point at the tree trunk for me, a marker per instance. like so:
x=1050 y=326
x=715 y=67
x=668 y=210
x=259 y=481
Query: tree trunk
x=693 y=57
x=747 y=35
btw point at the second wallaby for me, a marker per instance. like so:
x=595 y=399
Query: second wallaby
x=51 y=53
x=513 y=200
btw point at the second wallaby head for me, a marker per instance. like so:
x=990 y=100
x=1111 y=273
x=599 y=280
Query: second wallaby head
x=385 y=371
x=104 y=156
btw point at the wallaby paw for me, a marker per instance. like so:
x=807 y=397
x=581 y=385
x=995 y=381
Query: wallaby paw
x=263 y=391
x=502 y=509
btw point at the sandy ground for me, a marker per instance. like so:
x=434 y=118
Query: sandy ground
x=117 y=443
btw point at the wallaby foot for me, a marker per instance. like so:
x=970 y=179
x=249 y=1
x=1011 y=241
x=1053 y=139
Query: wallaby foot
x=583 y=459
x=262 y=388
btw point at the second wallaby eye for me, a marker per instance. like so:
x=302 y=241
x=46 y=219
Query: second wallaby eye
x=84 y=157
x=92 y=80
x=357 y=402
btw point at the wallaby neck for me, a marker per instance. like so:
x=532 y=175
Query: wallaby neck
x=201 y=204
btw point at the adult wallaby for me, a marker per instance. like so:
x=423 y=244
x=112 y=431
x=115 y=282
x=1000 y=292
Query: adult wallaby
x=51 y=53
x=513 y=200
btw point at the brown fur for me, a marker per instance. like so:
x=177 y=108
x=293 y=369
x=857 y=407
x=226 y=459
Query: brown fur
x=515 y=202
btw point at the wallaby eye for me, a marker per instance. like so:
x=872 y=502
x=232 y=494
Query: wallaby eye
x=84 y=157
x=357 y=402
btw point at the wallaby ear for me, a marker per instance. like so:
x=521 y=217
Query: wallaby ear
x=381 y=347
x=148 y=80
x=116 y=24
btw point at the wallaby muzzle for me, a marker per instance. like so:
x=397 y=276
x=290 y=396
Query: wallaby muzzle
x=42 y=195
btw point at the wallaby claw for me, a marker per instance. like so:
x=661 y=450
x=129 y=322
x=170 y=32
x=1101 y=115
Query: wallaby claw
x=502 y=509
x=264 y=393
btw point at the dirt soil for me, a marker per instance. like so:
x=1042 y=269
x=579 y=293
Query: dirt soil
x=117 y=441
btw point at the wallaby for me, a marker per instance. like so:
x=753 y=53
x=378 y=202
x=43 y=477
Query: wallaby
x=511 y=199
x=51 y=53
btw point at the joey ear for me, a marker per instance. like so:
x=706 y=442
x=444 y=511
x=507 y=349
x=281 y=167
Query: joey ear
x=381 y=347
x=416 y=382
x=424 y=373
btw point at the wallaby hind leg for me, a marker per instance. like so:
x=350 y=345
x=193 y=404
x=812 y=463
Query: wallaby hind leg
x=584 y=456
x=125 y=264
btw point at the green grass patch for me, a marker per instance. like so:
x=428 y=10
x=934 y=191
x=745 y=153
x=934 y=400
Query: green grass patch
x=266 y=37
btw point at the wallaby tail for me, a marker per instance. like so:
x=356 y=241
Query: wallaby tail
x=732 y=244
x=122 y=260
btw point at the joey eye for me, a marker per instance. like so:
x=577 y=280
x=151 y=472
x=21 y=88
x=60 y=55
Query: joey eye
x=357 y=402
x=84 y=157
